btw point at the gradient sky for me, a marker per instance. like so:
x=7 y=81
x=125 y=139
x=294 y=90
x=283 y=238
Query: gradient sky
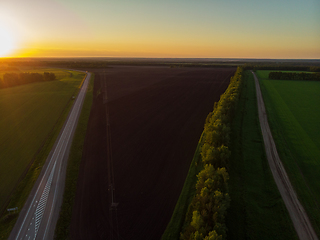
x=176 y=28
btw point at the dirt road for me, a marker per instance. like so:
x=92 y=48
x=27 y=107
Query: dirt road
x=297 y=213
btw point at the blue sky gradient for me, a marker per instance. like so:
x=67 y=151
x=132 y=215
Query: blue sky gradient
x=216 y=28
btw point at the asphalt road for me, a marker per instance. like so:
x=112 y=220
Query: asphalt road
x=297 y=213
x=38 y=217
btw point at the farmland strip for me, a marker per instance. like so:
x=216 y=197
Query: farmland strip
x=297 y=213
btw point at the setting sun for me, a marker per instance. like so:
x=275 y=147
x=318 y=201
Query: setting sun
x=6 y=42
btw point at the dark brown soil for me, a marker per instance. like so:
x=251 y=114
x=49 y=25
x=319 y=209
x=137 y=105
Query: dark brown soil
x=156 y=117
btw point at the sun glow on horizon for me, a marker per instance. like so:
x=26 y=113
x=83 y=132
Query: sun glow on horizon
x=211 y=29
x=6 y=42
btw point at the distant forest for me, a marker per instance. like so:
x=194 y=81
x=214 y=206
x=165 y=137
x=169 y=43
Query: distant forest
x=312 y=65
x=16 y=79
x=304 y=76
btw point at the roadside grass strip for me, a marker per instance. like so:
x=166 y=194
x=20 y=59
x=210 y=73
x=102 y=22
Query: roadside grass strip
x=31 y=118
x=256 y=209
x=293 y=113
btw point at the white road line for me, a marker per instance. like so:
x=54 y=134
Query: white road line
x=54 y=198
x=43 y=201
x=75 y=114
x=44 y=176
x=66 y=135
x=34 y=197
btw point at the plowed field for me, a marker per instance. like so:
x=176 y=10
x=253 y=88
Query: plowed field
x=156 y=117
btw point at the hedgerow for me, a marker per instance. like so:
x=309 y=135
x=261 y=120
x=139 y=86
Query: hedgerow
x=205 y=218
x=15 y=79
x=295 y=76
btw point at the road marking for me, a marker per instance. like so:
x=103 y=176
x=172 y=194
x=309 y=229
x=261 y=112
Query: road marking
x=43 y=201
x=75 y=112
x=65 y=135
x=35 y=195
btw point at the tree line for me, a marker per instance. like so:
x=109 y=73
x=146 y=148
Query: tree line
x=205 y=218
x=295 y=76
x=16 y=79
x=282 y=67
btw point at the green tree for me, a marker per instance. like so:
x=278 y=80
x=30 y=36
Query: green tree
x=213 y=236
x=197 y=221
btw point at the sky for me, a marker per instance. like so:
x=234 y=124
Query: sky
x=287 y=29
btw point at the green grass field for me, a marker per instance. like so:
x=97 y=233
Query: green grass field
x=293 y=113
x=256 y=210
x=29 y=115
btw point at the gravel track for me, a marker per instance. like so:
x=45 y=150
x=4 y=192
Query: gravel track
x=297 y=213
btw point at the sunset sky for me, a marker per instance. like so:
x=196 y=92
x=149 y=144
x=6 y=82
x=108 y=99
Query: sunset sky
x=146 y=28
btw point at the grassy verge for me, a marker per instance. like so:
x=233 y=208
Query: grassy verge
x=189 y=189
x=18 y=173
x=256 y=210
x=293 y=115
x=62 y=228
